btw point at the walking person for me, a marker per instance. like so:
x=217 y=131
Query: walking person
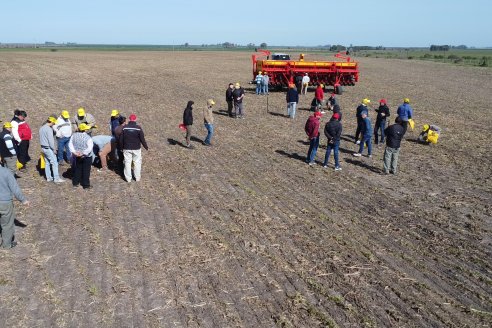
x=188 y=122
x=312 y=130
x=238 y=95
x=366 y=131
x=22 y=135
x=9 y=187
x=230 y=99
x=292 y=99
x=360 y=123
x=394 y=134
x=264 y=84
x=47 y=142
x=81 y=146
x=333 y=132
x=209 y=122
x=7 y=148
x=63 y=130
x=383 y=113
x=305 y=83
x=131 y=140
x=405 y=112
x=259 y=82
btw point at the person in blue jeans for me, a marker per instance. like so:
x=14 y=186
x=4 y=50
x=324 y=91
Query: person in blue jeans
x=383 y=113
x=366 y=130
x=312 y=130
x=63 y=130
x=333 y=131
x=264 y=84
x=208 y=120
x=47 y=142
x=259 y=82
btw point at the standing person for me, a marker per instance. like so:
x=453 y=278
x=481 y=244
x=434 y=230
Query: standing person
x=383 y=113
x=131 y=140
x=332 y=101
x=188 y=122
x=119 y=149
x=230 y=99
x=292 y=99
x=81 y=147
x=103 y=146
x=319 y=95
x=63 y=130
x=298 y=82
x=9 y=187
x=47 y=142
x=238 y=95
x=86 y=118
x=209 y=121
x=305 y=83
x=333 y=131
x=114 y=120
x=366 y=131
x=259 y=82
x=266 y=80
x=405 y=112
x=7 y=148
x=312 y=130
x=360 y=123
x=22 y=135
x=394 y=134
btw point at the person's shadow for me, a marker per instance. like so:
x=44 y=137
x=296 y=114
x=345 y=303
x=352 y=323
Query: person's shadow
x=278 y=114
x=174 y=142
x=221 y=112
x=363 y=165
x=291 y=155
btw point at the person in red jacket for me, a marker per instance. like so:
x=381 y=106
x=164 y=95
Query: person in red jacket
x=319 y=95
x=22 y=135
x=312 y=131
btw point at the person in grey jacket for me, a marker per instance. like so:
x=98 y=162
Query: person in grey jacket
x=8 y=187
x=47 y=142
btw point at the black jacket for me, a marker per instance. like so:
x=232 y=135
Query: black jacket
x=394 y=133
x=4 y=151
x=292 y=95
x=229 y=96
x=188 y=116
x=132 y=136
x=383 y=109
x=333 y=130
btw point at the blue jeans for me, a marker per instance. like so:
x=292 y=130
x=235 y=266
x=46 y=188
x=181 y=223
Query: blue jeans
x=329 y=147
x=258 y=88
x=264 y=88
x=50 y=159
x=63 y=145
x=380 y=125
x=313 y=148
x=291 y=109
x=366 y=140
x=210 y=129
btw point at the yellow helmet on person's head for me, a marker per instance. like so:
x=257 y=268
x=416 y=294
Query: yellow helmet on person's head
x=7 y=125
x=84 y=127
x=426 y=127
x=81 y=111
x=406 y=100
x=210 y=102
x=52 y=119
x=65 y=114
x=237 y=85
x=366 y=101
x=114 y=112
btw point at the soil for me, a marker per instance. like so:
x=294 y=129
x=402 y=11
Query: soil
x=245 y=233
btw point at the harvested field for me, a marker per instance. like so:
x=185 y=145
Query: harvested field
x=245 y=234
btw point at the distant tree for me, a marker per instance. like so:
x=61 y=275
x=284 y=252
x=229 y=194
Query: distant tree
x=228 y=45
x=439 y=47
x=263 y=45
x=186 y=45
x=251 y=45
x=337 y=47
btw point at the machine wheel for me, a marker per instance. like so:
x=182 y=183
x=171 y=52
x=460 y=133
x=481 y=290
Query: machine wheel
x=339 y=90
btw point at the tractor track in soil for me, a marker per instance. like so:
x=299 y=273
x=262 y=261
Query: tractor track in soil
x=244 y=233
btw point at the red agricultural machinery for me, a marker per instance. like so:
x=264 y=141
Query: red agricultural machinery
x=283 y=71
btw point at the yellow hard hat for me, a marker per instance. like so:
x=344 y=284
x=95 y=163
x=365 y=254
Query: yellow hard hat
x=52 y=119
x=259 y=72
x=366 y=101
x=406 y=100
x=81 y=112
x=7 y=125
x=426 y=127
x=322 y=85
x=84 y=127
x=210 y=102
x=237 y=85
x=65 y=114
x=114 y=112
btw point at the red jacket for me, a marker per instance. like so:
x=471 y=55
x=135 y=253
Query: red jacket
x=312 y=127
x=319 y=94
x=24 y=131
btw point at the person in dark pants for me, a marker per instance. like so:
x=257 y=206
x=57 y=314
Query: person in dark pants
x=394 y=134
x=383 y=113
x=119 y=149
x=292 y=99
x=360 y=122
x=188 y=122
x=298 y=81
x=230 y=99
x=81 y=148
x=333 y=131
x=22 y=135
x=312 y=130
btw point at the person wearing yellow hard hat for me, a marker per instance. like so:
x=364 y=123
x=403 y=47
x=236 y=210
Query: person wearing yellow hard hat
x=7 y=148
x=208 y=120
x=366 y=131
x=360 y=122
x=238 y=95
x=47 y=142
x=405 y=112
x=259 y=82
x=81 y=146
x=84 y=117
x=63 y=131
x=114 y=121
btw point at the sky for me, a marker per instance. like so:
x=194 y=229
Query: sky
x=388 y=23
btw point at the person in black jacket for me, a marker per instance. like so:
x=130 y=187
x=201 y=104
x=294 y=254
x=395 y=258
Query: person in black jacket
x=383 y=113
x=132 y=136
x=292 y=99
x=333 y=131
x=394 y=133
x=230 y=99
x=188 y=122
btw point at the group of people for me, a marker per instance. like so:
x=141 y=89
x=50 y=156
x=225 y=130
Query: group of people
x=262 y=80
